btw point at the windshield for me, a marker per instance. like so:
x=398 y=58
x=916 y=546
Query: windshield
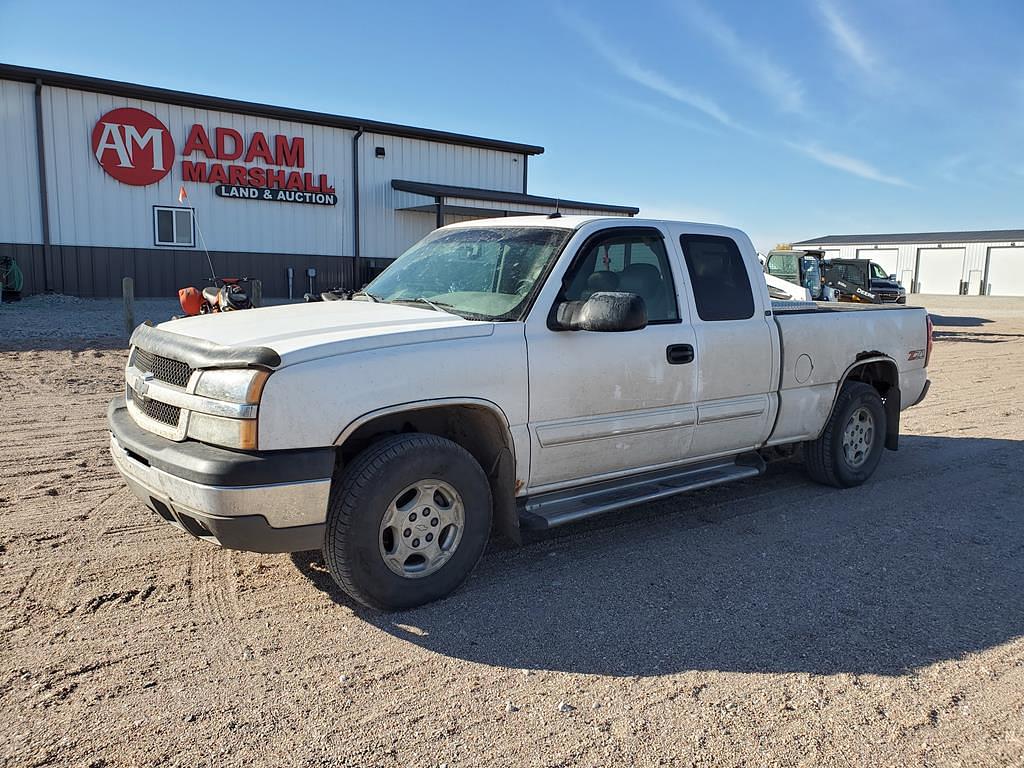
x=812 y=276
x=480 y=273
x=878 y=273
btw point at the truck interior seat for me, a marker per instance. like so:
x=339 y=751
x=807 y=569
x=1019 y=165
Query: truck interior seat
x=646 y=281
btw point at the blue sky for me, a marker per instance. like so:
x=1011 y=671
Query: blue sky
x=787 y=119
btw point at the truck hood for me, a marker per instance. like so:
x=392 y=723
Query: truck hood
x=301 y=332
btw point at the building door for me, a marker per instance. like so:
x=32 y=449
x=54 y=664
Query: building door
x=940 y=270
x=1006 y=271
x=886 y=258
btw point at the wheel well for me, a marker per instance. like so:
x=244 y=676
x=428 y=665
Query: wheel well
x=884 y=376
x=477 y=428
x=880 y=374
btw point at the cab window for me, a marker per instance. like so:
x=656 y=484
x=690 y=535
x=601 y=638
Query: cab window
x=718 y=274
x=634 y=262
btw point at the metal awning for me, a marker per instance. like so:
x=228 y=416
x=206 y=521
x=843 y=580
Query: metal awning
x=473 y=201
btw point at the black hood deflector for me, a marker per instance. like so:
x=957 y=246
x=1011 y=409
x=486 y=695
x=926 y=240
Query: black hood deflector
x=200 y=353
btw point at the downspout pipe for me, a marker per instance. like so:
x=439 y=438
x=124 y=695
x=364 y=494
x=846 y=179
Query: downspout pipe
x=357 y=263
x=44 y=199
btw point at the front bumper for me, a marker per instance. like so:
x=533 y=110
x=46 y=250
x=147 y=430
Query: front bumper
x=275 y=501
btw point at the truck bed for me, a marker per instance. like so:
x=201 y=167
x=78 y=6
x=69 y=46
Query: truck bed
x=821 y=341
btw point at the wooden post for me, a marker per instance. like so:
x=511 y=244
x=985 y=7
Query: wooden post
x=256 y=292
x=128 y=294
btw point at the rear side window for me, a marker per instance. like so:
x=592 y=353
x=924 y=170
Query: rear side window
x=721 y=288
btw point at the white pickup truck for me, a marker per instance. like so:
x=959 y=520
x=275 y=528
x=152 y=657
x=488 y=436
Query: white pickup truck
x=513 y=373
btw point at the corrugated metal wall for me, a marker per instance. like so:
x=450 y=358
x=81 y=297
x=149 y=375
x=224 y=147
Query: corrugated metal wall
x=387 y=232
x=88 y=207
x=974 y=259
x=20 y=218
x=92 y=271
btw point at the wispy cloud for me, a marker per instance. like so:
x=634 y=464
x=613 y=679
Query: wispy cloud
x=632 y=69
x=657 y=112
x=848 y=38
x=851 y=165
x=766 y=74
x=653 y=80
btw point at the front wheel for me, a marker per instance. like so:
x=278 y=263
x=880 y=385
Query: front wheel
x=408 y=521
x=850 y=448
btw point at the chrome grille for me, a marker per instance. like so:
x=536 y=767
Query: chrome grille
x=163 y=368
x=154 y=409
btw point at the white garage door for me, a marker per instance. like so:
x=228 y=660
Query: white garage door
x=941 y=270
x=1006 y=271
x=886 y=258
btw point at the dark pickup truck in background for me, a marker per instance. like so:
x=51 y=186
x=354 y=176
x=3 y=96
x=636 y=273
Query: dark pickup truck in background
x=867 y=275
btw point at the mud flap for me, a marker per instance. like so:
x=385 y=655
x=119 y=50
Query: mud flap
x=892 y=418
x=502 y=480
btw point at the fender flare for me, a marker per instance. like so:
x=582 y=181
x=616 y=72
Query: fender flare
x=416 y=405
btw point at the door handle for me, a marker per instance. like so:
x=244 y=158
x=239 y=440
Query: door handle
x=677 y=354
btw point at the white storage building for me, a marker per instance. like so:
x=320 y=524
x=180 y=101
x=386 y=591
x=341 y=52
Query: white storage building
x=91 y=172
x=984 y=262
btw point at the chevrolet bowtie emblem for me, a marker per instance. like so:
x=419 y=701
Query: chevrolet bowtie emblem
x=142 y=384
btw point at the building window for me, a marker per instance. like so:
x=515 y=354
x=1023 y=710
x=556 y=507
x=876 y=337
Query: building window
x=174 y=227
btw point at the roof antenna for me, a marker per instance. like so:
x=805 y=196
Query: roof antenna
x=557 y=214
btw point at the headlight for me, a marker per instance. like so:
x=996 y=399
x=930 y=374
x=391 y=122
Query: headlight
x=236 y=385
x=243 y=386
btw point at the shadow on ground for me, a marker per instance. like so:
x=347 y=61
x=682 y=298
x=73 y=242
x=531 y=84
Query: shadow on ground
x=922 y=564
x=956 y=321
x=976 y=337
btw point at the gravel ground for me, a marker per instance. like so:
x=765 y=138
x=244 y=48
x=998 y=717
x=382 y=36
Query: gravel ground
x=771 y=622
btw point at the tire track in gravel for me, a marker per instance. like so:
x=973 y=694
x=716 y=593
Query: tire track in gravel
x=213 y=588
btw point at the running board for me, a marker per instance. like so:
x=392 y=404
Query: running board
x=555 y=508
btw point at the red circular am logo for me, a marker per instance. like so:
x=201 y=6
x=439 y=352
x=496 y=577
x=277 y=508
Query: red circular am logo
x=133 y=146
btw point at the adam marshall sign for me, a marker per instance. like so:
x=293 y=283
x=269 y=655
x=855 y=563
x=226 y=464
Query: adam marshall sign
x=136 y=148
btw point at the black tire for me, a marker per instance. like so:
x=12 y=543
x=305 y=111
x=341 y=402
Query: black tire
x=826 y=460
x=362 y=495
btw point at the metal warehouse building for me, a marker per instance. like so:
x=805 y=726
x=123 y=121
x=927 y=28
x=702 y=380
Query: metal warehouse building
x=91 y=172
x=989 y=262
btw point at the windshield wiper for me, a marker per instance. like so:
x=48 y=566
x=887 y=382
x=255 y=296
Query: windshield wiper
x=437 y=306
x=367 y=294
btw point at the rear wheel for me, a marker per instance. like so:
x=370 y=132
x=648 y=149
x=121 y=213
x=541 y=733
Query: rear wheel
x=851 y=446
x=408 y=521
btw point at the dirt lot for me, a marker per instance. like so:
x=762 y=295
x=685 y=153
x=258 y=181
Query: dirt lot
x=769 y=622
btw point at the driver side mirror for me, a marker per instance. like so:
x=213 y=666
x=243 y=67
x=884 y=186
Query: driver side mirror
x=606 y=311
x=893 y=277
